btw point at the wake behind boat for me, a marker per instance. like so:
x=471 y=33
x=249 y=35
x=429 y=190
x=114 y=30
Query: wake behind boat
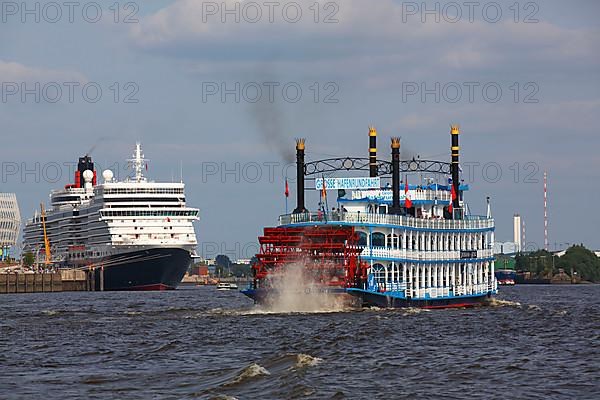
x=135 y=234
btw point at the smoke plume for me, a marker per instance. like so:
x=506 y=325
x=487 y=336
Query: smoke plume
x=270 y=122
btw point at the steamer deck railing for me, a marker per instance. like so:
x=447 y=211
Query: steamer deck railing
x=470 y=222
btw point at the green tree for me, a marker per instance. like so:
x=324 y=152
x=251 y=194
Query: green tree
x=581 y=260
x=241 y=270
x=538 y=262
x=223 y=264
x=28 y=259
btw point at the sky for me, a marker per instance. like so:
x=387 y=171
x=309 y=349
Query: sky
x=217 y=92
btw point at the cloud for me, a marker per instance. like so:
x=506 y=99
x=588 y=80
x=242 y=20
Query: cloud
x=11 y=71
x=365 y=30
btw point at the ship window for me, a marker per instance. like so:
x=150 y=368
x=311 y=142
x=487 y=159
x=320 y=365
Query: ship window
x=378 y=272
x=393 y=241
x=362 y=239
x=378 y=239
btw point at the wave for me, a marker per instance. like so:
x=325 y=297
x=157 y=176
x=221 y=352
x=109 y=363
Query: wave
x=305 y=360
x=251 y=371
x=413 y=310
x=494 y=302
x=165 y=347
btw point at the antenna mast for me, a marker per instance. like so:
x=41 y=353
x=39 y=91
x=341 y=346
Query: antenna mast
x=138 y=162
x=546 y=210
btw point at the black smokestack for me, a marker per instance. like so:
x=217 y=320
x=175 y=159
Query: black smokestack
x=372 y=152
x=84 y=163
x=300 y=176
x=454 y=170
x=395 y=175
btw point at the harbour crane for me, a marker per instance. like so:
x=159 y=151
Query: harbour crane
x=46 y=241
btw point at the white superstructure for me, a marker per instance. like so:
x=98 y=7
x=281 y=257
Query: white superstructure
x=421 y=256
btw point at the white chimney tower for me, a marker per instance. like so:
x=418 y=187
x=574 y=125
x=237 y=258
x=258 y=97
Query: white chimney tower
x=517 y=228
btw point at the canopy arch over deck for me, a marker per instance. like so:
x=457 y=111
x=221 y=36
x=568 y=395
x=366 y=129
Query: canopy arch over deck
x=384 y=168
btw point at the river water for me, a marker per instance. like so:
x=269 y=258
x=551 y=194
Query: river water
x=536 y=342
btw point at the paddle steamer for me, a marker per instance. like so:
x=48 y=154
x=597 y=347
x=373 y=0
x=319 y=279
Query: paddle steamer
x=389 y=244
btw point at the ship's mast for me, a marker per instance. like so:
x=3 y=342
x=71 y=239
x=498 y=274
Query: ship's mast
x=138 y=162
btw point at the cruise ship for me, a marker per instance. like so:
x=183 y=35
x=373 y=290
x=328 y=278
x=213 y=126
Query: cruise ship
x=384 y=240
x=134 y=234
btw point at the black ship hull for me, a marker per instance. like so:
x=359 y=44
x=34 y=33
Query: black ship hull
x=151 y=269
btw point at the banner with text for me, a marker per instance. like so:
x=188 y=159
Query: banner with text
x=377 y=195
x=348 y=183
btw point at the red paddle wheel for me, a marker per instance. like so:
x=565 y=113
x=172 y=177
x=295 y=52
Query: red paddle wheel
x=328 y=254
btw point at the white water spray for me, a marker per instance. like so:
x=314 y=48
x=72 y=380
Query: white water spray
x=295 y=290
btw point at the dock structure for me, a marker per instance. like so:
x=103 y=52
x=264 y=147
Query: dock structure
x=70 y=280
